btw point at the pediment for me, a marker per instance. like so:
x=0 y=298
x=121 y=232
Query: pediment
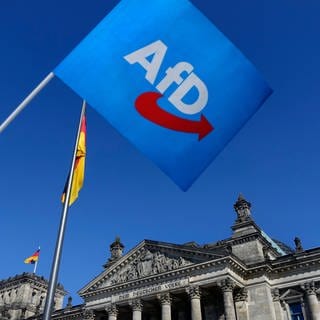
x=147 y=263
x=290 y=294
x=146 y=260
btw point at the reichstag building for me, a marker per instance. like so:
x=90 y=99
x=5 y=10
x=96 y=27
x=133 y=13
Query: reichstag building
x=249 y=276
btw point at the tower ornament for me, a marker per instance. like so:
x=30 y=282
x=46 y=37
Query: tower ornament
x=116 y=251
x=298 y=244
x=242 y=208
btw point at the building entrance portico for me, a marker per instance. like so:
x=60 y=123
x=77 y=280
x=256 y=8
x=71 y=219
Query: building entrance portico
x=188 y=303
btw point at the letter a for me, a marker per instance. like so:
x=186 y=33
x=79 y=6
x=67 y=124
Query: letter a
x=158 y=50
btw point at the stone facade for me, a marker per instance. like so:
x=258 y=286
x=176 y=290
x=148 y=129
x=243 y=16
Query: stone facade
x=24 y=296
x=248 y=276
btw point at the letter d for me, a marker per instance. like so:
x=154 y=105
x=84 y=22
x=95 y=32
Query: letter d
x=177 y=96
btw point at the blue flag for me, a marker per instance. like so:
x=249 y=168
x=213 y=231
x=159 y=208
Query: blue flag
x=168 y=80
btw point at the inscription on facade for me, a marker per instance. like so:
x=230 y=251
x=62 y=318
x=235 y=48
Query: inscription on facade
x=150 y=290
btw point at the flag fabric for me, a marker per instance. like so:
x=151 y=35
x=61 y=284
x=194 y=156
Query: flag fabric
x=168 y=80
x=34 y=258
x=79 y=166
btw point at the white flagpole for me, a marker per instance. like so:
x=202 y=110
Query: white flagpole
x=57 y=255
x=26 y=101
x=36 y=264
x=35 y=267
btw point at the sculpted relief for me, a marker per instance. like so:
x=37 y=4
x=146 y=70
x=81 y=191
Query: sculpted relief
x=148 y=264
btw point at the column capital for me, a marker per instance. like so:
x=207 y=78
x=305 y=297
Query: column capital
x=136 y=305
x=194 y=292
x=242 y=295
x=164 y=298
x=88 y=314
x=112 y=310
x=227 y=285
x=309 y=288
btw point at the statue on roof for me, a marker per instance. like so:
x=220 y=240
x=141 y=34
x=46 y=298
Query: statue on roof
x=242 y=208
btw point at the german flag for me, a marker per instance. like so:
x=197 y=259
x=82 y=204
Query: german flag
x=34 y=258
x=78 y=175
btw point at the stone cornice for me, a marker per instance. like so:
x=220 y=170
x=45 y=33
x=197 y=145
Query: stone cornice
x=192 y=251
x=243 y=239
x=245 y=223
x=231 y=262
x=75 y=312
x=283 y=265
x=299 y=256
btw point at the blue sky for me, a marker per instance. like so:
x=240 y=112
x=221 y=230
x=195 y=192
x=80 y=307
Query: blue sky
x=274 y=160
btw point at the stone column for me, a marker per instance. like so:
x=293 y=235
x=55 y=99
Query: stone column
x=195 y=294
x=312 y=300
x=112 y=311
x=241 y=299
x=136 y=306
x=165 y=301
x=227 y=286
x=277 y=304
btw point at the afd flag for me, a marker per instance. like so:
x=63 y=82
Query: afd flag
x=168 y=80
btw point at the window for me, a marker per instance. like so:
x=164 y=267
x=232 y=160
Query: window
x=296 y=311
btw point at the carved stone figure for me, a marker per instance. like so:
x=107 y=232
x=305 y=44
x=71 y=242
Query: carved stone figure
x=242 y=208
x=144 y=266
x=298 y=244
x=148 y=264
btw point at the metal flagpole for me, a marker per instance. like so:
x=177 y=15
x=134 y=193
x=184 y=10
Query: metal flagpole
x=26 y=101
x=36 y=264
x=57 y=255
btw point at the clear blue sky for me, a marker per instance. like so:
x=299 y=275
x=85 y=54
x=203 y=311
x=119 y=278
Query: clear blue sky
x=274 y=160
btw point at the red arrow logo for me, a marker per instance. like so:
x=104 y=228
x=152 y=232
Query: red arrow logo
x=147 y=106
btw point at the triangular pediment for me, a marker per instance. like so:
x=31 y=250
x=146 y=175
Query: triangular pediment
x=290 y=294
x=147 y=259
x=146 y=263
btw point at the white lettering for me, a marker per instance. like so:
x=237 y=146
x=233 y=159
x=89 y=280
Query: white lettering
x=173 y=75
x=183 y=89
x=158 y=49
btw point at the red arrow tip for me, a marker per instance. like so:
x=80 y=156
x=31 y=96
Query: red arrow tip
x=205 y=127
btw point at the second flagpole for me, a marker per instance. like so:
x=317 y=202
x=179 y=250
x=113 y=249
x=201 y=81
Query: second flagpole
x=26 y=101
x=58 y=250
